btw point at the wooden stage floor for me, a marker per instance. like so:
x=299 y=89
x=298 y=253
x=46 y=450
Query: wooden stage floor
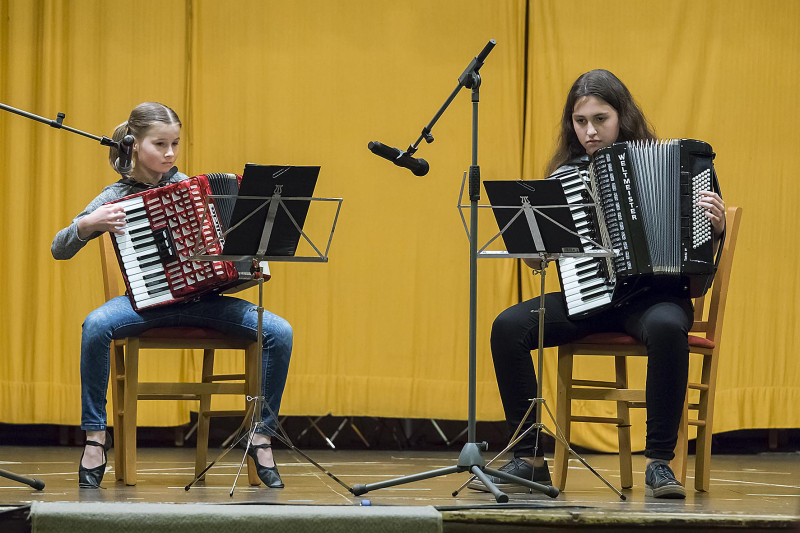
x=753 y=492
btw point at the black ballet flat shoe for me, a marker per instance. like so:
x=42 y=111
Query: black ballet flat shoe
x=267 y=474
x=90 y=478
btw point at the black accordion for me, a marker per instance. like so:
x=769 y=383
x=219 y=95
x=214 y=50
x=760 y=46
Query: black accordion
x=646 y=194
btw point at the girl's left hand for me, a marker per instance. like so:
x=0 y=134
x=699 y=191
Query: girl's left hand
x=715 y=210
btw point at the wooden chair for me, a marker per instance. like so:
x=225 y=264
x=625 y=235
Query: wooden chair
x=127 y=389
x=621 y=346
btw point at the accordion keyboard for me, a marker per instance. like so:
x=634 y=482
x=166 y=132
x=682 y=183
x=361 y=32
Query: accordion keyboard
x=584 y=280
x=143 y=253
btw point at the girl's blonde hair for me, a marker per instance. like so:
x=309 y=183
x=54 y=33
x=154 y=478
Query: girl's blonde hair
x=140 y=120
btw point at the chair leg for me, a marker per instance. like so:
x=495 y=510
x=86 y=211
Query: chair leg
x=679 y=463
x=563 y=416
x=624 y=427
x=705 y=417
x=118 y=407
x=203 y=421
x=131 y=399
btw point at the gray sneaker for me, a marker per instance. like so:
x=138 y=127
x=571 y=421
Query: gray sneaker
x=660 y=482
x=516 y=467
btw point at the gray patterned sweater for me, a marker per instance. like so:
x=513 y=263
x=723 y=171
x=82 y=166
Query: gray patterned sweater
x=67 y=243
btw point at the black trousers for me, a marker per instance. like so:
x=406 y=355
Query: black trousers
x=660 y=321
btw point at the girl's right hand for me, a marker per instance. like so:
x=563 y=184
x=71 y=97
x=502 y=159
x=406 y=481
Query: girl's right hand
x=105 y=218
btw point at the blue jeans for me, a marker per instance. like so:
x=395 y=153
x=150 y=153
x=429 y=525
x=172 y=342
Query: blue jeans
x=116 y=319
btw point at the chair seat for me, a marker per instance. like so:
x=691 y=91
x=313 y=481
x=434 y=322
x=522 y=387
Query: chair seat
x=627 y=340
x=183 y=333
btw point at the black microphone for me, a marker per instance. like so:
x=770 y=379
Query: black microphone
x=123 y=163
x=418 y=166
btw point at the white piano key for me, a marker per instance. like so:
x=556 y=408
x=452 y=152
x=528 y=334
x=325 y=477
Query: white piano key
x=133 y=202
x=143 y=302
x=146 y=290
x=588 y=286
x=600 y=301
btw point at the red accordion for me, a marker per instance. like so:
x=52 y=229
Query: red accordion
x=163 y=230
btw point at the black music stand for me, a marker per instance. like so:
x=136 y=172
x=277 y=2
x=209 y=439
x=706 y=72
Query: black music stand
x=266 y=225
x=535 y=222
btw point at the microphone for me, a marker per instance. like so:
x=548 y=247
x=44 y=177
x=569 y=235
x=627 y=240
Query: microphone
x=418 y=166
x=123 y=163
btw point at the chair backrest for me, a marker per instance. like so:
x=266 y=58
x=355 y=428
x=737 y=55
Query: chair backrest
x=109 y=265
x=719 y=289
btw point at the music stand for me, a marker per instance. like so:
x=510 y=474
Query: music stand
x=535 y=223
x=266 y=225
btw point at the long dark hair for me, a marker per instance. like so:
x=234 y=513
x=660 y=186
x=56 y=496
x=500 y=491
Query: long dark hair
x=607 y=87
x=140 y=120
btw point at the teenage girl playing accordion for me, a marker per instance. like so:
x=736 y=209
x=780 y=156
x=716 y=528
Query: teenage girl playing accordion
x=598 y=112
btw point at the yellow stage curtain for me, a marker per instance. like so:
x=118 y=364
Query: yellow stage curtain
x=381 y=330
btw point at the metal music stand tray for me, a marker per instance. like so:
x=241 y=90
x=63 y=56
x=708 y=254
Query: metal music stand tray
x=278 y=221
x=553 y=236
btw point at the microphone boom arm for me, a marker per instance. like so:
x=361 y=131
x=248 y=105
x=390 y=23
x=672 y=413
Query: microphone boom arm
x=469 y=79
x=58 y=124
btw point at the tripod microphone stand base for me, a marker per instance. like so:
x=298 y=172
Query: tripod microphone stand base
x=469 y=460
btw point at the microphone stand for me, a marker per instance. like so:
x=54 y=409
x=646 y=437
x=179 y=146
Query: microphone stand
x=58 y=124
x=470 y=458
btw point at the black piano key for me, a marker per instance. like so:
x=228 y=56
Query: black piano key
x=132 y=219
x=142 y=244
x=593 y=276
x=583 y=262
x=591 y=297
x=145 y=257
x=156 y=292
x=156 y=261
x=592 y=286
x=586 y=270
